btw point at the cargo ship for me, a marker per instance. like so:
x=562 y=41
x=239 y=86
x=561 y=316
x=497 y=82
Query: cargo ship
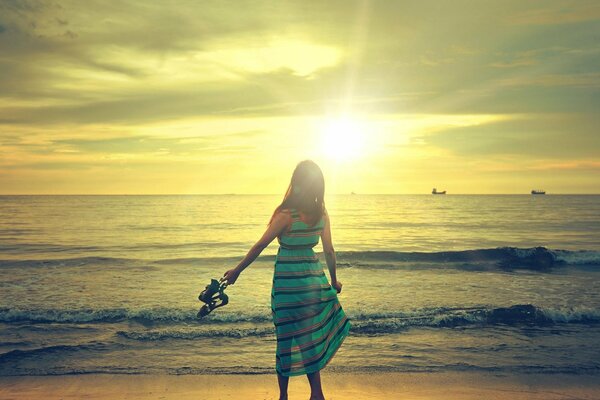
x=538 y=192
x=434 y=191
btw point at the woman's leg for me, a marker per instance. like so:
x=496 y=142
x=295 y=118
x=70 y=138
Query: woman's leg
x=283 y=386
x=316 y=391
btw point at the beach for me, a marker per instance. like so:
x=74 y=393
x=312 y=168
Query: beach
x=449 y=297
x=359 y=386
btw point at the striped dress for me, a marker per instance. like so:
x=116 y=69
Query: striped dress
x=310 y=323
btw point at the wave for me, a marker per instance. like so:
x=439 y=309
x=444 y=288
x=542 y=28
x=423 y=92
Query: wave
x=155 y=315
x=535 y=258
x=196 y=333
x=37 y=352
x=380 y=324
x=117 y=261
x=41 y=247
x=178 y=324
x=516 y=315
x=580 y=257
x=70 y=262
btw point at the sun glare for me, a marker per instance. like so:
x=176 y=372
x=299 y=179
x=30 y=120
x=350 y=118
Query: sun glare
x=343 y=139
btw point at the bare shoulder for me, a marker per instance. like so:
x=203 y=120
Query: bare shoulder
x=284 y=214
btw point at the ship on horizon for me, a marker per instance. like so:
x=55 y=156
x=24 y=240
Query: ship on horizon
x=434 y=191
x=538 y=191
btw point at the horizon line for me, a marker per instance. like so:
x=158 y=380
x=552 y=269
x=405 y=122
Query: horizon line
x=277 y=194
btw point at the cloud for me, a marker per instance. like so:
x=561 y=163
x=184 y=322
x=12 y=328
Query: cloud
x=139 y=83
x=531 y=136
x=514 y=63
x=559 y=13
x=222 y=143
x=566 y=166
x=156 y=60
x=584 y=80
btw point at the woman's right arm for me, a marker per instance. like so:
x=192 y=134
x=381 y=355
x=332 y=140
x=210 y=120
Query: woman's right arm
x=280 y=221
x=329 y=253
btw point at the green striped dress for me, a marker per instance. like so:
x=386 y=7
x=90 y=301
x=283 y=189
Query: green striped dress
x=310 y=323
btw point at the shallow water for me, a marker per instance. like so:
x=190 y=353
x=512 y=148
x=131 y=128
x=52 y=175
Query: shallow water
x=110 y=283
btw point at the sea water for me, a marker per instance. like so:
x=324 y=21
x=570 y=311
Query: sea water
x=431 y=283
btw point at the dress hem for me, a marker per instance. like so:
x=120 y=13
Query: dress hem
x=318 y=366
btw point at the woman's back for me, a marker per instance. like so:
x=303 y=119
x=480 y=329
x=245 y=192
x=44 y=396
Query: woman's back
x=300 y=235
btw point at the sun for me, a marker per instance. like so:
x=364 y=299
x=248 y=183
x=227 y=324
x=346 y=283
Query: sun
x=343 y=139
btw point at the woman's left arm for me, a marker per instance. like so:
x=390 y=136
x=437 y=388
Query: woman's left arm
x=280 y=221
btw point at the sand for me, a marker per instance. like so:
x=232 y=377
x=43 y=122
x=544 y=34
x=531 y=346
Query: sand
x=464 y=386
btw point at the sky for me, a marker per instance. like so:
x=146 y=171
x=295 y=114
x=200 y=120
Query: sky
x=202 y=97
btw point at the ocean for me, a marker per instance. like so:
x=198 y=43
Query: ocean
x=109 y=284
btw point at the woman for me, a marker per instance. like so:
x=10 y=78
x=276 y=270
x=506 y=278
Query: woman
x=310 y=324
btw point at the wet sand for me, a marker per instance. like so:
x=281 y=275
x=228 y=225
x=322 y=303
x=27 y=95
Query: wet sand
x=359 y=386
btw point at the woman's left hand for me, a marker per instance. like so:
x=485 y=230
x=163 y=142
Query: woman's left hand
x=337 y=285
x=231 y=276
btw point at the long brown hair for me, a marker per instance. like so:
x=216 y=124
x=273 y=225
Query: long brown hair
x=305 y=192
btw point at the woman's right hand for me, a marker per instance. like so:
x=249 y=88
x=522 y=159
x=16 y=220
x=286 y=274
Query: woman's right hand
x=337 y=285
x=231 y=276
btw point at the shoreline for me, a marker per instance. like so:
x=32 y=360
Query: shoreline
x=358 y=386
